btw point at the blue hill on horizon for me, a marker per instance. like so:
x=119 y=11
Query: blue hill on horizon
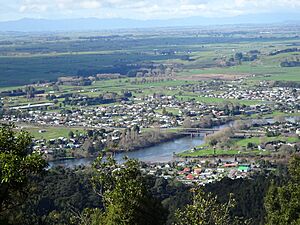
x=85 y=24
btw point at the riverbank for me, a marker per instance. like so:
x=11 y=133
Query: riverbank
x=146 y=143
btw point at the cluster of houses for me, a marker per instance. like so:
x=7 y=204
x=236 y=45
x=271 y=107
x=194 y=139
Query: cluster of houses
x=279 y=95
x=285 y=127
x=289 y=97
x=164 y=112
x=290 y=130
x=201 y=172
x=49 y=147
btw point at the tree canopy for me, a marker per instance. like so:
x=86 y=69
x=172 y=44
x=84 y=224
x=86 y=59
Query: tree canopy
x=18 y=162
x=125 y=196
x=206 y=210
x=283 y=203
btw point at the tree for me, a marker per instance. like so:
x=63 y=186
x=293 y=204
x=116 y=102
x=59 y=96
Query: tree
x=71 y=134
x=213 y=142
x=238 y=56
x=1 y=109
x=88 y=146
x=220 y=137
x=241 y=124
x=283 y=203
x=164 y=111
x=90 y=133
x=18 y=162
x=88 y=217
x=124 y=193
x=250 y=145
x=187 y=123
x=205 y=210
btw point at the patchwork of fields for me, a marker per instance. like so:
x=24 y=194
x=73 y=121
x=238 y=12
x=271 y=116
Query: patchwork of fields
x=32 y=58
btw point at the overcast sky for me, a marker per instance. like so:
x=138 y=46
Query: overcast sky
x=140 y=9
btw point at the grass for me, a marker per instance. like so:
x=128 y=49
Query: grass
x=257 y=140
x=278 y=113
x=237 y=144
x=266 y=68
x=51 y=132
x=169 y=110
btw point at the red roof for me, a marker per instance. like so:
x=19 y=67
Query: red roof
x=186 y=170
x=190 y=177
x=197 y=171
x=230 y=165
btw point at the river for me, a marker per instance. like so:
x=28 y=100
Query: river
x=159 y=153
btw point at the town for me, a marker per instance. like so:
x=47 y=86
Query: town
x=76 y=123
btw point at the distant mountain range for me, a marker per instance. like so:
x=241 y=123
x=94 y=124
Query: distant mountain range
x=34 y=25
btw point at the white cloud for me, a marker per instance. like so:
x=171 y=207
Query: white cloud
x=157 y=9
x=90 y=4
x=33 y=6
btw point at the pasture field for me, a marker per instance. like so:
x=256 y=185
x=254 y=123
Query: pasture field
x=205 y=150
x=257 y=72
x=257 y=140
x=51 y=132
x=44 y=57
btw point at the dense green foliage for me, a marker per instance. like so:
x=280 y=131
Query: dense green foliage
x=18 y=162
x=283 y=203
x=66 y=196
x=205 y=210
x=125 y=197
x=60 y=196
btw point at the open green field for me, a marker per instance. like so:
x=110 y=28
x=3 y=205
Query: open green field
x=261 y=71
x=278 y=114
x=258 y=140
x=51 y=132
x=206 y=151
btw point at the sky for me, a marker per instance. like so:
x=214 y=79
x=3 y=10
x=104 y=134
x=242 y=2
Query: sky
x=140 y=9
